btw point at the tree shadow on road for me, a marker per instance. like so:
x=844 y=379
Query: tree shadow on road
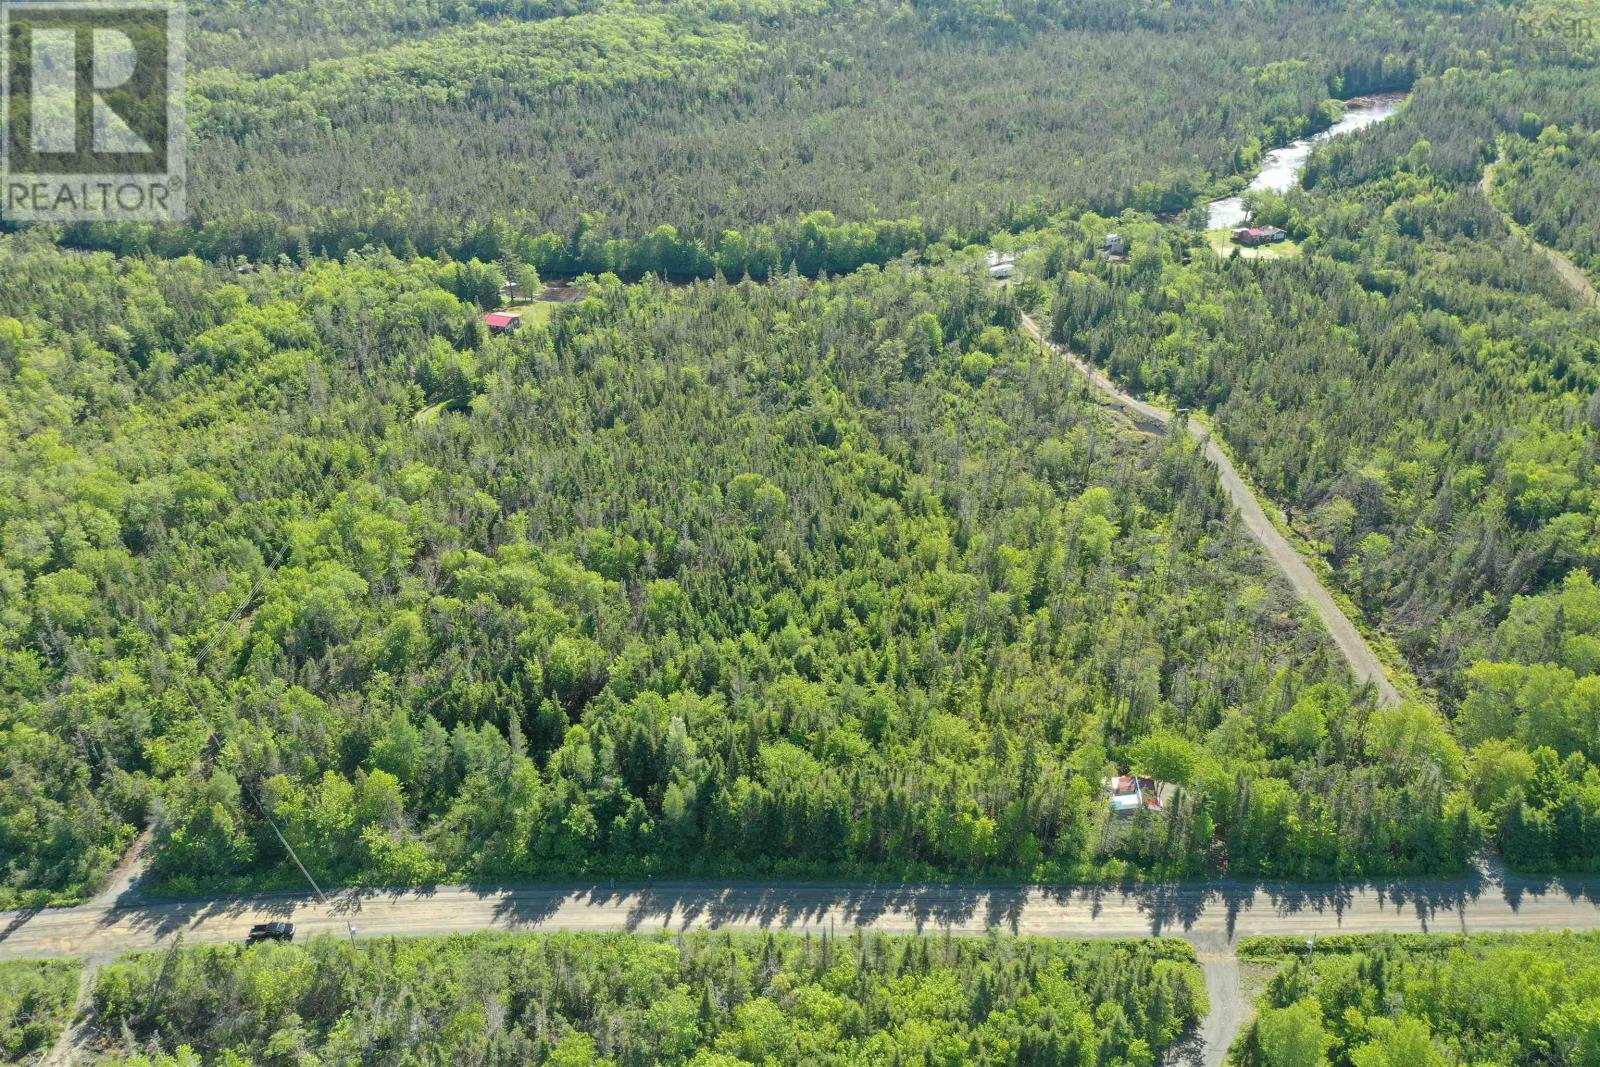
x=1197 y=911
x=18 y=921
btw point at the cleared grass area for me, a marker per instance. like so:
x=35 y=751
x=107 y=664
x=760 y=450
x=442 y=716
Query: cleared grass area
x=536 y=312
x=1221 y=242
x=430 y=413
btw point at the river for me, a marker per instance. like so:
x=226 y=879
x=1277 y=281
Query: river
x=1281 y=169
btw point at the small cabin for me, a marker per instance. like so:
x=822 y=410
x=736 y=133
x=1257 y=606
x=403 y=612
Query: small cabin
x=1115 y=248
x=1002 y=265
x=502 y=321
x=1129 y=793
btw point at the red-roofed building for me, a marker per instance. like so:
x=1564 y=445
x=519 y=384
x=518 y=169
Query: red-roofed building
x=1259 y=235
x=502 y=321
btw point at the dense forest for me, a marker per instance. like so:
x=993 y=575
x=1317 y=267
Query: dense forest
x=616 y=1000
x=789 y=577
x=801 y=575
x=1551 y=184
x=1427 y=1001
x=1462 y=466
x=690 y=138
x=35 y=1000
x=1420 y=391
x=779 y=549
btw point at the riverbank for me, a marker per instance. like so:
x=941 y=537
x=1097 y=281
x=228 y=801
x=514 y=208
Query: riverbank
x=1281 y=169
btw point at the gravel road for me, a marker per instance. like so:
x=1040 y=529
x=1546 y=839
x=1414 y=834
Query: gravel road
x=1363 y=661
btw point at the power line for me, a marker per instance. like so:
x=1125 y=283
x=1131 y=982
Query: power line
x=214 y=741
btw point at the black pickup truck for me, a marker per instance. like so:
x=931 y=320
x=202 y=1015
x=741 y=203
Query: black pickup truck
x=270 y=932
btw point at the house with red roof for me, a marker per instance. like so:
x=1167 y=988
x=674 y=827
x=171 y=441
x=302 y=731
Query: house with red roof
x=502 y=321
x=1251 y=236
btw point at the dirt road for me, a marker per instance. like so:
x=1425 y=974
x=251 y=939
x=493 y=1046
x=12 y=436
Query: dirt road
x=1569 y=271
x=1230 y=1011
x=1363 y=661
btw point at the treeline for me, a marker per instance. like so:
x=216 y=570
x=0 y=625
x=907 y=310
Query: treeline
x=686 y=139
x=705 y=1000
x=815 y=244
x=1533 y=712
x=293 y=34
x=1427 y=1001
